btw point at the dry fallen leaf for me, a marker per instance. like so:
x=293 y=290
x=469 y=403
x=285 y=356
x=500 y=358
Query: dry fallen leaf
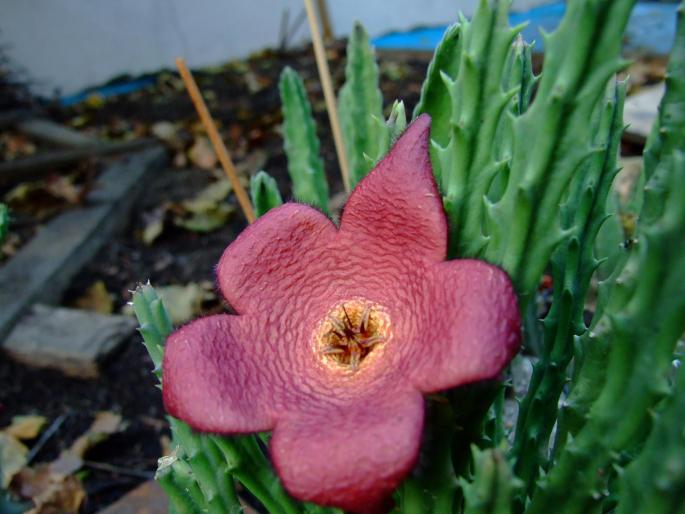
x=180 y=160
x=628 y=178
x=13 y=146
x=202 y=155
x=51 y=492
x=12 y=458
x=252 y=163
x=96 y=298
x=105 y=424
x=204 y=212
x=185 y=302
x=207 y=211
x=26 y=427
x=43 y=198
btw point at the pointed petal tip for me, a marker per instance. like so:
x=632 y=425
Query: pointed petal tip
x=417 y=132
x=413 y=145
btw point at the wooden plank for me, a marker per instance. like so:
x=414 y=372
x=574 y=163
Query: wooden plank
x=39 y=165
x=55 y=133
x=43 y=269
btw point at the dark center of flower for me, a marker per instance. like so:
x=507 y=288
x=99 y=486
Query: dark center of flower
x=350 y=332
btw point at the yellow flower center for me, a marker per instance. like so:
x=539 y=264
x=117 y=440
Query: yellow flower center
x=351 y=331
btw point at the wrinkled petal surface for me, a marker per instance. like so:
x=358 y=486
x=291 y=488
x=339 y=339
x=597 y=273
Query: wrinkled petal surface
x=351 y=456
x=344 y=437
x=214 y=379
x=470 y=325
x=275 y=259
x=396 y=211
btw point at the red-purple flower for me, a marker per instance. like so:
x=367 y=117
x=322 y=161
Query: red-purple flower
x=340 y=331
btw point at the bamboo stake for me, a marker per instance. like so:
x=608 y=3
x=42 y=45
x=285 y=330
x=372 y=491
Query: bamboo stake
x=215 y=138
x=325 y=19
x=329 y=95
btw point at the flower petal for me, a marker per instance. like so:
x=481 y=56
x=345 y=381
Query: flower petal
x=471 y=328
x=213 y=381
x=350 y=456
x=275 y=257
x=397 y=209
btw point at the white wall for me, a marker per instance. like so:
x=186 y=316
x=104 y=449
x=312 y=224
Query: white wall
x=67 y=45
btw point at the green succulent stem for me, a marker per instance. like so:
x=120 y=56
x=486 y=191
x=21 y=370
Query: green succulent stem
x=432 y=487
x=435 y=97
x=490 y=491
x=182 y=499
x=634 y=370
x=301 y=143
x=360 y=103
x=616 y=291
x=252 y=469
x=655 y=480
x=4 y=222
x=264 y=192
x=573 y=264
x=551 y=142
x=467 y=161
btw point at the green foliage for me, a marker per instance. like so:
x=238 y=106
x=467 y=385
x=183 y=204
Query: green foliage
x=654 y=482
x=468 y=162
x=264 y=192
x=361 y=104
x=572 y=265
x=439 y=477
x=435 y=96
x=552 y=141
x=634 y=340
x=492 y=486
x=388 y=131
x=4 y=222
x=301 y=143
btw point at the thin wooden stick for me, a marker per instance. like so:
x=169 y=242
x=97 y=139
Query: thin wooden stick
x=326 y=26
x=329 y=95
x=215 y=138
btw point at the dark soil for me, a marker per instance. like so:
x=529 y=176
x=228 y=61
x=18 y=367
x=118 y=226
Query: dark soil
x=249 y=121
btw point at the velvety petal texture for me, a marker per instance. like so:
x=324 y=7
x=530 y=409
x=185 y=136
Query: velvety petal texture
x=471 y=326
x=397 y=208
x=377 y=438
x=338 y=333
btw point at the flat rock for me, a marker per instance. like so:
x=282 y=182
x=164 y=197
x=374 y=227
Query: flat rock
x=42 y=270
x=70 y=340
x=147 y=498
x=640 y=111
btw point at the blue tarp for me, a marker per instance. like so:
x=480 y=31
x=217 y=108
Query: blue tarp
x=120 y=88
x=651 y=29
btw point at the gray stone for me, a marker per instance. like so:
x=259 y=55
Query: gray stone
x=147 y=498
x=42 y=270
x=70 y=340
x=640 y=111
x=47 y=130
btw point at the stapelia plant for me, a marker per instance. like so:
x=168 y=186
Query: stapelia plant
x=339 y=330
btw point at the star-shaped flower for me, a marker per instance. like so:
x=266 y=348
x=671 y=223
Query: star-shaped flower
x=339 y=332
